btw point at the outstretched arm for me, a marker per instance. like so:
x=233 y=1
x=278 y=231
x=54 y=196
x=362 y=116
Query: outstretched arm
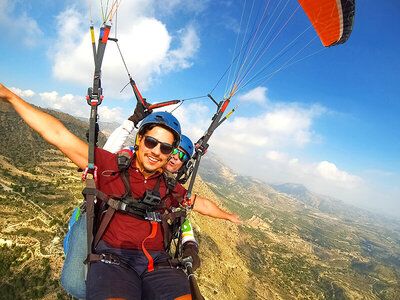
x=118 y=137
x=52 y=130
x=209 y=208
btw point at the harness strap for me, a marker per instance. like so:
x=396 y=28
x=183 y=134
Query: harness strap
x=90 y=189
x=169 y=223
x=107 y=258
x=125 y=180
x=150 y=267
x=157 y=186
x=138 y=208
x=169 y=264
x=89 y=199
x=114 y=203
x=103 y=225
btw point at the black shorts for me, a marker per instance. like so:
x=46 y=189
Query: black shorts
x=131 y=280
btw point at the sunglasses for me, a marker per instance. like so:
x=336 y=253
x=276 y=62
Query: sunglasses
x=182 y=155
x=151 y=142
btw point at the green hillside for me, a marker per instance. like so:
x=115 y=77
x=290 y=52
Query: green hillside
x=300 y=251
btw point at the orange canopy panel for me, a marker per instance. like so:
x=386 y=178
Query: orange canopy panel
x=332 y=19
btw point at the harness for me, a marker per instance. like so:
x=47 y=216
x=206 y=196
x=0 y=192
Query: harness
x=146 y=207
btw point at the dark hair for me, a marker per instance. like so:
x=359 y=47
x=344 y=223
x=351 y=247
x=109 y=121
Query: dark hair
x=144 y=129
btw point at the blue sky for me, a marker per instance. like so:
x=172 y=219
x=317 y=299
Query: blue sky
x=329 y=121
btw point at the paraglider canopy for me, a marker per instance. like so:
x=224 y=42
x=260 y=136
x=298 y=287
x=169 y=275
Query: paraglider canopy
x=332 y=19
x=274 y=35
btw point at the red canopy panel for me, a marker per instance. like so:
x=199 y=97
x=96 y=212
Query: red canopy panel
x=332 y=19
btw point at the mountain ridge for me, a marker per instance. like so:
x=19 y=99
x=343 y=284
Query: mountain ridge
x=324 y=203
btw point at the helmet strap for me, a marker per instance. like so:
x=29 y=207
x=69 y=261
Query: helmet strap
x=137 y=141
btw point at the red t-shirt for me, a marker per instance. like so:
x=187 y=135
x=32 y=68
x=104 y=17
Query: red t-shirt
x=125 y=231
x=180 y=189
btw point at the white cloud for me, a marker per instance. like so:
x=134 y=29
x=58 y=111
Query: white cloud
x=21 y=93
x=114 y=114
x=68 y=103
x=329 y=171
x=72 y=53
x=282 y=125
x=260 y=145
x=323 y=177
x=180 y=57
x=20 y=27
x=76 y=106
x=258 y=95
x=326 y=178
x=276 y=156
x=149 y=50
x=49 y=97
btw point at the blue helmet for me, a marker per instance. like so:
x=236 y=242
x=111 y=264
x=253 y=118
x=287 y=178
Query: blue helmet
x=163 y=119
x=187 y=145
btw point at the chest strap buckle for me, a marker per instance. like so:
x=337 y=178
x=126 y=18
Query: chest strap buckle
x=153 y=216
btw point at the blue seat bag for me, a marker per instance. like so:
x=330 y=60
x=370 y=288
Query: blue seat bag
x=75 y=248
